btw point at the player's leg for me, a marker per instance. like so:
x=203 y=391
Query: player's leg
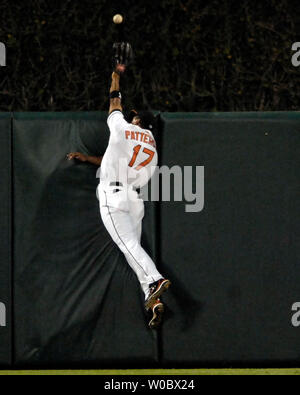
x=137 y=210
x=124 y=233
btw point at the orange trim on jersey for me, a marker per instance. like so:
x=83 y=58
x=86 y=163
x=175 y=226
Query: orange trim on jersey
x=136 y=151
x=147 y=161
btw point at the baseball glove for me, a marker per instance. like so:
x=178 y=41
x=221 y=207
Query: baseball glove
x=122 y=56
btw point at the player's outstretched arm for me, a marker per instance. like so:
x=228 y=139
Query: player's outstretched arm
x=122 y=58
x=94 y=160
x=115 y=98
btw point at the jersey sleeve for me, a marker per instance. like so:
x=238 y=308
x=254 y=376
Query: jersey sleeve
x=116 y=122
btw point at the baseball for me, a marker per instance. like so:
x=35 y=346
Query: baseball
x=118 y=19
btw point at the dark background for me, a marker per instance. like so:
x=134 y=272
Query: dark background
x=234 y=266
x=190 y=55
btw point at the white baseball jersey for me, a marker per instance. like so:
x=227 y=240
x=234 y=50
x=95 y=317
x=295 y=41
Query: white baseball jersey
x=131 y=156
x=129 y=160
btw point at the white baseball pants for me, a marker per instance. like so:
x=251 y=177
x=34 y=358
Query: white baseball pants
x=122 y=212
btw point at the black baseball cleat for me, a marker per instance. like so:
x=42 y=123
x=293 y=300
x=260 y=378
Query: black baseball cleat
x=156 y=289
x=158 y=311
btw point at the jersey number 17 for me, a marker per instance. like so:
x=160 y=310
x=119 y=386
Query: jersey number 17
x=136 y=152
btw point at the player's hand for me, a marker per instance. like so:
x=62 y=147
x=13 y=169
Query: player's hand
x=120 y=69
x=78 y=156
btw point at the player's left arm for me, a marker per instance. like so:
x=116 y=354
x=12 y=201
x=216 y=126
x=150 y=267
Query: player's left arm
x=115 y=96
x=94 y=160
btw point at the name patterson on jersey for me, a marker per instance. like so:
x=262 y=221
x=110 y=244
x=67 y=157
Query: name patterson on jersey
x=140 y=137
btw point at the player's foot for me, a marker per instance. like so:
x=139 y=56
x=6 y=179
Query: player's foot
x=156 y=289
x=158 y=311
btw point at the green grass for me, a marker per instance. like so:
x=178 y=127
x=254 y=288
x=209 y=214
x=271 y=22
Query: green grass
x=203 y=372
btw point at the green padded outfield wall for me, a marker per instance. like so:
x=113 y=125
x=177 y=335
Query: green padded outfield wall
x=5 y=240
x=76 y=299
x=235 y=266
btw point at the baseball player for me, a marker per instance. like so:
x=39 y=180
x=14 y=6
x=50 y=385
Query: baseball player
x=128 y=164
